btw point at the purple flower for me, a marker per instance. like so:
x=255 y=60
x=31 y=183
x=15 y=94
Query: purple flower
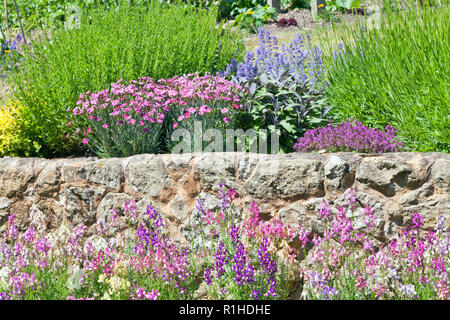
x=266 y=264
x=221 y=259
x=208 y=276
x=234 y=234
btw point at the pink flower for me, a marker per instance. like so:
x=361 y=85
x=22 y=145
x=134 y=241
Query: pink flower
x=175 y=125
x=89 y=129
x=226 y=120
x=224 y=110
x=105 y=126
x=85 y=141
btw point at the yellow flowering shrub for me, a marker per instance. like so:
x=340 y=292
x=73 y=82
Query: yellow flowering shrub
x=12 y=142
x=9 y=135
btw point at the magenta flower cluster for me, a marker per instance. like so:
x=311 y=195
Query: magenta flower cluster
x=247 y=258
x=350 y=135
x=412 y=266
x=137 y=108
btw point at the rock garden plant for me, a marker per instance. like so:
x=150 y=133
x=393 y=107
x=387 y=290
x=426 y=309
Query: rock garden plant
x=131 y=256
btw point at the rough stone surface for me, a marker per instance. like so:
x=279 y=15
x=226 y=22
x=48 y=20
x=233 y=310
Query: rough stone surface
x=15 y=173
x=286 y=178
x=385 y=175
x=147 y=174
x=106 y=172
x=112 y=201
x=290 y=187
x=441 y=174
x=178 y=208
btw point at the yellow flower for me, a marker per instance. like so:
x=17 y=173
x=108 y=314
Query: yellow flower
x=250 y=12
x=320 y=5
x=6 y=51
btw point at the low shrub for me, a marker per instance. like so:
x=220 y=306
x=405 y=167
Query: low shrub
x=283 y=92
x=349 y=136
x=12 y=141
x=397 y=71
x=160 y=41
x=140 y=116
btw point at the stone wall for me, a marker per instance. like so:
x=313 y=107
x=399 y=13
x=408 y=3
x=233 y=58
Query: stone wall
x=290 y=187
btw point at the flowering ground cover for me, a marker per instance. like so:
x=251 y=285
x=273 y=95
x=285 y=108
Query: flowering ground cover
x=231 y=256
x=139 y=116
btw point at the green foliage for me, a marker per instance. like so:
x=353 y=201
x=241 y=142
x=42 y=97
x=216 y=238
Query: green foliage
x=127 y=43
x=397 y=73
x=295 y=4
x=334 y=5
x=283 y=105
x=54 y=13
x=252 y=18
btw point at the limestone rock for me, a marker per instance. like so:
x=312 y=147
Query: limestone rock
x=336 y=170
x=112 y=201
x=440 y=174
x=81 y=203
x=286 y=178
x=48 y=182
x=385 y=175
x=106 y=172
x=147 y=175
x=178 y=208
x=212 y=168
x=15 y=173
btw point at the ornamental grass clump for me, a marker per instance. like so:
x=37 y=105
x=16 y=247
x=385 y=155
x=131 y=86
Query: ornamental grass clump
x=348 y=136
x=396 y=69
x=139 y=116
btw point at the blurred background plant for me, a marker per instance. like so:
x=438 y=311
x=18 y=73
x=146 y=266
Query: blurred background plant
x=253 y=17
x=10 y=56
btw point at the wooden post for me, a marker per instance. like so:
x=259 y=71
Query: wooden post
x=20 y=21
x=7 y=20
x=317 y=7
x=275 y=4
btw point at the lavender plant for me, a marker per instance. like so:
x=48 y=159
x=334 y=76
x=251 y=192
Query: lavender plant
x=283 y=89
x=350 y=135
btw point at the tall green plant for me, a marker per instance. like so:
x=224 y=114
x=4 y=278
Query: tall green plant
x=128 y=43
x=397 y=72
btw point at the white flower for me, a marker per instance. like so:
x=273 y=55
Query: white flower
x=4 y=275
